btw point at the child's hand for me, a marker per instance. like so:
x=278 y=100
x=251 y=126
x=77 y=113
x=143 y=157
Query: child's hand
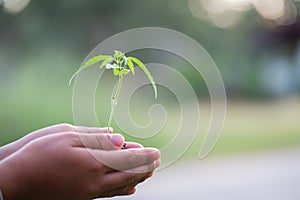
x=59 y=128
x=68 y=165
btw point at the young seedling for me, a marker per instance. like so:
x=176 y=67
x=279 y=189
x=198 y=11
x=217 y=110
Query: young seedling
x=121 y=65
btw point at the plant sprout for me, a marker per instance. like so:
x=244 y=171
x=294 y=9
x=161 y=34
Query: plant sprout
x=121 y=65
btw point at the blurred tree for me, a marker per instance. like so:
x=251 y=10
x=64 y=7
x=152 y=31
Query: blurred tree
x=74 y=28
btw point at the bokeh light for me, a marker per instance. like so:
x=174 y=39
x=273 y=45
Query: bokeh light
x=227 y=13
x=15 y=6
x=255 y=44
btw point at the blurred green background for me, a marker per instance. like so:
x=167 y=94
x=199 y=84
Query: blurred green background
x=255 y=45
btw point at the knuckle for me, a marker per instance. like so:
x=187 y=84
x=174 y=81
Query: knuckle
x=65 y=138
x=120 y=191
x=69 y=135
x=97 y=167
x=105 y=141
x=126 y=189
x=100 y=142
x=151 y=167
x=131 y=178
x=131 y=161
x=65 y=127
x=90 y=189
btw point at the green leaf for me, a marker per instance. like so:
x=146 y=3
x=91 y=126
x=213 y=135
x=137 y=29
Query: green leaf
x=124 y=71
x=131 y=66
x=103 y=63
x=88 y=63
x=118 y=54
x=144 y=68
x=106 y=61
x=95 y=60
x=116 y=72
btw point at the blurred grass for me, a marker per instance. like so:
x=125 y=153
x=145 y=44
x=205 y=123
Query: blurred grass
x=34 y=97
x=250 y=126
x=258 y=126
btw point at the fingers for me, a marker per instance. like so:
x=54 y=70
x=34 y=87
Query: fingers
x=83 y=129
x=61 y=128
x=105 y=141
x=127 y=190
x=127 y=159
x=130 y=145
x=145 y=168
x=56 y=129
x=130 y=192
x=102 y=141
x=117 y=180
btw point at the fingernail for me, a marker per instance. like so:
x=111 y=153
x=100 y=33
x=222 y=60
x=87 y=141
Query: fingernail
x=156 y=152
x=110 y=129
x=118 y=140
x=157 y=163
x=150 y=174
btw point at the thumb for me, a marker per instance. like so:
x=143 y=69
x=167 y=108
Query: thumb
x=103 y=141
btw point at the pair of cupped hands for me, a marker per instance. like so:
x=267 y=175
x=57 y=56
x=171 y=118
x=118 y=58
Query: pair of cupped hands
x=71 y=162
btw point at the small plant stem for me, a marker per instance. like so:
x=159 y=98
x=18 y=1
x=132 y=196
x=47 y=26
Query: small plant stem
x=114 y=100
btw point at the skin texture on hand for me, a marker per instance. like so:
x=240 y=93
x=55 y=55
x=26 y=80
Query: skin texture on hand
x=59 y=163
x=59 y=128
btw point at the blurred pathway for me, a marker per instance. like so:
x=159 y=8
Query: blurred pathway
x=263 y=176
